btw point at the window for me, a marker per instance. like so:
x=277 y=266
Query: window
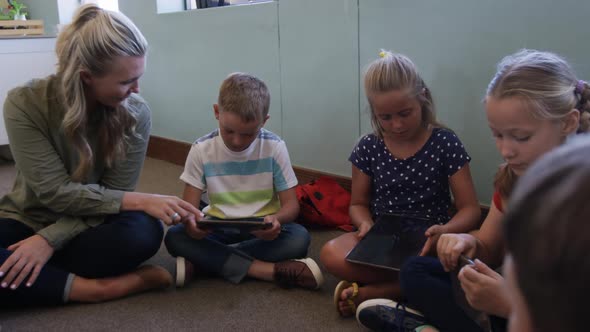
x=112 y=5
x=197 y=4
x=67 y=8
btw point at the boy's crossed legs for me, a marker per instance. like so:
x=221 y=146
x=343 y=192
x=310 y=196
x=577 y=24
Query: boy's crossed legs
x=234 y=256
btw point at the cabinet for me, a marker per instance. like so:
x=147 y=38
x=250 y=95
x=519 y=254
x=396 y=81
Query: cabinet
x=23 y=59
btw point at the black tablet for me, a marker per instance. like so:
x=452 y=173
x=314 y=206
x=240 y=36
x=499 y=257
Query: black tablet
x=249 y=224
x=391 y=240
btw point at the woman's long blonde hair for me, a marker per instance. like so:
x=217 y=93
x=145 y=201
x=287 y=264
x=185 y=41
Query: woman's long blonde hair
x=90 y=43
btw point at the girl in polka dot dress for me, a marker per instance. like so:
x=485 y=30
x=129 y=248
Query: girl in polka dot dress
x=409 y=165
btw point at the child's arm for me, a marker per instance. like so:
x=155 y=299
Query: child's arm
x=289 y=206
x=359 y=202
x=193 y=195
x=285 y=182
x=490 y=238
x=287 y=213
x=468 y=211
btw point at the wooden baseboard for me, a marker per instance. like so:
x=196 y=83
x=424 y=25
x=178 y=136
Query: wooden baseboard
x=175 y=152
x=167 y=149
x=305 y=175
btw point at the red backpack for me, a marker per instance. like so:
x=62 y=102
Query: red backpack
x=324 y=202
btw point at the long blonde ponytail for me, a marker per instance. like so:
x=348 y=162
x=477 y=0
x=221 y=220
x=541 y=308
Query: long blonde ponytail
x=90 y=43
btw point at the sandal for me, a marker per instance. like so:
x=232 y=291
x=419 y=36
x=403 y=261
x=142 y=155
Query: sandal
x=341 y=287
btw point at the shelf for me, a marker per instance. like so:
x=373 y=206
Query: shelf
x=15 y=28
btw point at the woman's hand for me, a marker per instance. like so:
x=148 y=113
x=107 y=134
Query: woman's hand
x=485 y=289
x=432 y=234
x=363 y=228
x=271 y=233
x=451 y=246
x=170 y=209
x=28 y=257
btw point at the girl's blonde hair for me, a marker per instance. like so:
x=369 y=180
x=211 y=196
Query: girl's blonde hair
x=547 y=83
x=393 y=72
x=90 y=43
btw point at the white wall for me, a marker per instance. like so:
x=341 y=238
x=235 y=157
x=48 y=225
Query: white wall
x=27 y=59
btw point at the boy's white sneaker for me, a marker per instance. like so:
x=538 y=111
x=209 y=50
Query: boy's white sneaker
x=184 y=271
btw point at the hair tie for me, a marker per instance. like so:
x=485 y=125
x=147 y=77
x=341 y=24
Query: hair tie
x=382 y=54
x=580 y=87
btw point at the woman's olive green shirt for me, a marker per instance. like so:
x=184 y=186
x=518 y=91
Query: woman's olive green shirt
x=44 y=197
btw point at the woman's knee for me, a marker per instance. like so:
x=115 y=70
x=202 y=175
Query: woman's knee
x=143 y=234
x=173 y=239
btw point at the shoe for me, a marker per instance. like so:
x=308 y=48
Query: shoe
x=184 y=271
x=388 y=315
x=303 y=273
x=341 y=287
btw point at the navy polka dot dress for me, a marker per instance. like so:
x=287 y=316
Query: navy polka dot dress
x=418 y=185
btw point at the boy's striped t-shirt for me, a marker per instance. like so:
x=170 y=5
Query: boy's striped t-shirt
x=240 y=184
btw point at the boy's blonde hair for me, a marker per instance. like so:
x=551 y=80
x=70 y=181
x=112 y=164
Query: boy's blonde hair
x=244 y=95
x=397 y=72
x=547 y=83
x=90 y=43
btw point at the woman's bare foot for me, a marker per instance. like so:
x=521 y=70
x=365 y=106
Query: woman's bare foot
x=98 y=290
x=155 y=277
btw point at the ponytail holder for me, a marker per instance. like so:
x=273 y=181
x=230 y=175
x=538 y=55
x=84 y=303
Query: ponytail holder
x=580 y=87
x=382 y=54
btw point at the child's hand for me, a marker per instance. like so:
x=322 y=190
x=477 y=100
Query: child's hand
x=363 y=228
x=451 y=246
x=271 y=233
x=191 y=227
x=432 y=234
x=484 y=289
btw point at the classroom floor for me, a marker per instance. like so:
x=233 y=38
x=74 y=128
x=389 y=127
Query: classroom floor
x=204 y=305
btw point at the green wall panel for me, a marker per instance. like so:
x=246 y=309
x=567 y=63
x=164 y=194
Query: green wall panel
x=312 y=55
x=192 y=52
x=319 y=81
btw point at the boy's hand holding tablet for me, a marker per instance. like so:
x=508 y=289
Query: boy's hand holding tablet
x=272 y=228
x=191 y=227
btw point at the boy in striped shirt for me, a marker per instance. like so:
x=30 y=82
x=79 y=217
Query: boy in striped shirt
x=246 y=172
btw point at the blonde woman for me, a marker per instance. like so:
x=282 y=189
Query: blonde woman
x=72 y=229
